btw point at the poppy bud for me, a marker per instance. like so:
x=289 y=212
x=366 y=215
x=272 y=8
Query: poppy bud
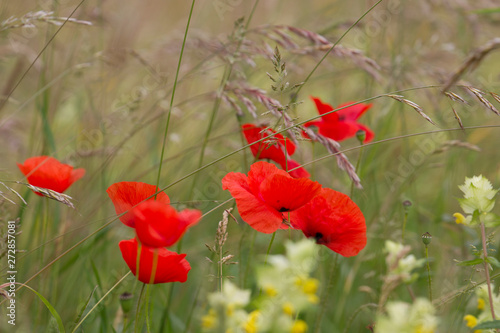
x=126 y=302
x=361 y=136
x=426 y=238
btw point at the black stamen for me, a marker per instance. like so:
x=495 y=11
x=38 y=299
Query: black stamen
x=318 y=236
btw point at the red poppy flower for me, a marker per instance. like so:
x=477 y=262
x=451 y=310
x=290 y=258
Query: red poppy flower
x=159 y=225
x=171 y=266
x=334 y=220
x=273 y=149
x=47 y=172
x=126 y=195
x=342 y=124
x=266 y=193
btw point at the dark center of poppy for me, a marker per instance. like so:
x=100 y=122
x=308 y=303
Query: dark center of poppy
x=318 y=236
x=283 y=210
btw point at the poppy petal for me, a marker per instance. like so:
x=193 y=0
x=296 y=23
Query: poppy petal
x=274 y=149
x=47 y=172
x=334 y=220
x=284 y=193
x=297 y=173
x=159 y=225
x=325 y=108
x=253 y=211
x=126 y=195
x=171 y=266
x=352 y=113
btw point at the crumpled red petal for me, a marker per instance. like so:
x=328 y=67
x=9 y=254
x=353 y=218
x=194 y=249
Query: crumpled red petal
x=171 y=266
x=334 y=220
x=126 y=195
x=266 y=193
x=159 y=225
x=47 y=172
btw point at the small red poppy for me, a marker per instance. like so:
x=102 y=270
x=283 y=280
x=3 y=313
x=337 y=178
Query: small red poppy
x=334 y=220
x=273 y=149
x=159 y=225
x=126 y=195
x=171 y=266
x=47 y=172
x=266 y=193
x=342 y=124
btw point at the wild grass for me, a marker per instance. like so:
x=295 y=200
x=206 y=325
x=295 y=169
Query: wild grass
x=139 y=95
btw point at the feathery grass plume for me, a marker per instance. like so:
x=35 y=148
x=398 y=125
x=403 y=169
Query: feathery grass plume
x=284 y=35
x=217 y=249
x=455 y=97
x=61 y=197
x=414 y=105
x=28 y=20
x=480 y=96
x=13 y=191
x=472 y=61
x=333 y=147
x=447 y=145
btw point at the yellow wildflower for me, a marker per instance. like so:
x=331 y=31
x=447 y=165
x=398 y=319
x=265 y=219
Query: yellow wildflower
x=288 y=308
x=209 y=320
x=299 y=326
x=480 y=304
x=251 y=324
x=459 y=218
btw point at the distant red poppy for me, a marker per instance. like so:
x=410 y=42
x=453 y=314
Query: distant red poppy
x=342 y=124
x=334 y=220
x=266 y=193
x=171 y=266
x=126 y=195
x=159 y=225
x=47 y=172
x=273 y=149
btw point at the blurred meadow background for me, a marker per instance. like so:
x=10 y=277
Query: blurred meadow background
x=95 y=91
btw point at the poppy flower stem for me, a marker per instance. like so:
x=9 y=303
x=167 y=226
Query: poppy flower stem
x=140 y=304
x=357 y=166
x=326 y=293
x=269 y=247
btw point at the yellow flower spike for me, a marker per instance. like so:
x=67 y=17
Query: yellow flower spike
x=480 y=304
x=313 y=299
x=209 y=320
x=288 y=308
x=299 y=326
x=459 y=218
x=471 y=320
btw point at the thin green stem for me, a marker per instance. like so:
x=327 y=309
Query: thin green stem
x=326 y=292
x=269 y=247
x=334 y=45
x=357 y=167
x=137 y=325
x=428 y=272
x=99 y=302
x=405 y=219
x=169 y=111
x=487 y=270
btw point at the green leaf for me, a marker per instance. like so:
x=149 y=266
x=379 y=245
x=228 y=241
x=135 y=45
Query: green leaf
x=488 y=325
x=49 y=306
x=471 y=262
x=494 y=261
